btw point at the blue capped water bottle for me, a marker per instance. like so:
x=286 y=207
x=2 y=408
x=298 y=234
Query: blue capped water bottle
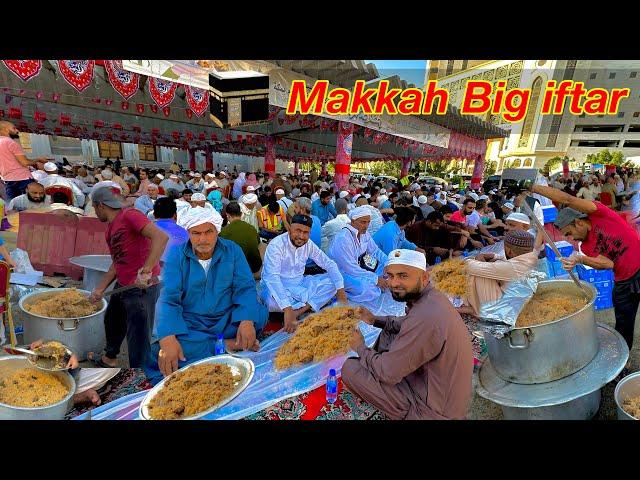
x=220 y=348
x=465 y=253
x=438 y=260
x=332 y=387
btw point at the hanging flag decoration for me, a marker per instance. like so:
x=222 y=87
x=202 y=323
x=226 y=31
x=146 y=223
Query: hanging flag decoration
x=166 y=111
x=197 y=99
x=154 y=108
x=77 y=73
x=162 y=91
x=124 y=82
x=24 y=69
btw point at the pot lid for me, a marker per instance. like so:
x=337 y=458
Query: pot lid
x=607 y=364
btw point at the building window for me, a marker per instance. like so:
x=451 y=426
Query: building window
x=554 y=130
x=517 y=163
x=449 y=67
x=620 y=114
x=612 y=75
x=570 y=70
x=528 y=162
x=110 y=149
x=147 y=153
x=636 y=114
x=633 y=74
x=464 y=64
x=527 y=126
x=592 y=76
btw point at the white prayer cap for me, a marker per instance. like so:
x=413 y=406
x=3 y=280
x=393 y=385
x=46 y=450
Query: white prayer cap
x=441 y=197
x=279 y=191
x=249 y=198
x=414 y=187
x=39 y=175
x=382 y=199
x=198 y=197
x=456 y=196
x=422 y=199
x=383 y=191
x=209 y=175
x=251 y=188
x=519 y=217
x=324 y=185
x=191 y=174
x=173 y=175
x=50 y=167
x=192 y=217
x=410 y=258
x=161 y=177
x=107 y=173
x=483 y=197
x=359 y=212
x=153 y=186
x=343 y=194
x=198 y=175
x=367 y=196
x=223 y=173
x=474 y=196
x=509 y=205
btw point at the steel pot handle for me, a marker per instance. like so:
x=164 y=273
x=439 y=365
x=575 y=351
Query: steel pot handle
x=62 y=327
x=527 y=334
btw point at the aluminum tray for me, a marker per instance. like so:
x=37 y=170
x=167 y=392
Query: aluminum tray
x=101 y=263
x=241 y=366
x=607 y=364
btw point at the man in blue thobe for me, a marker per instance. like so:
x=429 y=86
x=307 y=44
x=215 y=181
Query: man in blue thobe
x=208 y=289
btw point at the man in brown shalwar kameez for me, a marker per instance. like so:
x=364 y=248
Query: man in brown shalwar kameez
x=422 y=364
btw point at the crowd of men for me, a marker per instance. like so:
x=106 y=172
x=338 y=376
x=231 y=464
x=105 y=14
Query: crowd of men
x=233 y=248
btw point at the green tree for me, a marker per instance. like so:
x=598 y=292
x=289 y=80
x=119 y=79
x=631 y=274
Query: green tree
x=489 y=169
x=441 y=169
x=391 y=168
x=605 y=157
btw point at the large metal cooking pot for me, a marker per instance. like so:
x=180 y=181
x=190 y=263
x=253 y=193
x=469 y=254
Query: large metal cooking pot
x=57 y=411
x=82 y=334
x=548 y=352
x=95 y=267
x=628 y=387
x=581 y=408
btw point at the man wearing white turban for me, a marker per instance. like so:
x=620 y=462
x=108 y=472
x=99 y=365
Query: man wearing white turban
x=199 y=200
x=361 y=263
x=249 y=211
x=208 y=291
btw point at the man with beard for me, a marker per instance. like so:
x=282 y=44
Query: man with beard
x=285 y=288
x=14 y=165
x=421 y=366
x=34 y=199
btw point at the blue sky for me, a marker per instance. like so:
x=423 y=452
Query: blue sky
x=412 y=71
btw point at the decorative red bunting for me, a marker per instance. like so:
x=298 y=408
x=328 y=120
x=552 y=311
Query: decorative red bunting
x=166 y=111
x=162 y=91
x=24 y=69
x=65 y=120
x=125 y=105
x=124 y=82
x=154 y=108
x=188 y=112
x=39 y=116
x=15 y=113
x=140 y=108
x=197 y=99
x=98 y=124
x=78 y=73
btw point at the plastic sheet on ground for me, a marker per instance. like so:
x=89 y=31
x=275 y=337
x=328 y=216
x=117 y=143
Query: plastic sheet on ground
x=267 y=387
x=499 y=317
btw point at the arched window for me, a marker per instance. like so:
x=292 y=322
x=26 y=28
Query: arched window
x=517 y=163
x=529 y=120
x=528 y=162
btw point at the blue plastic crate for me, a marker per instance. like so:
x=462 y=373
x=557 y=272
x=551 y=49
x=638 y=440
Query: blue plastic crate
x=602 y=302
x=591 y=275
x=604 y=288
x=549 y=213
x=565 y=248
x=555 y=268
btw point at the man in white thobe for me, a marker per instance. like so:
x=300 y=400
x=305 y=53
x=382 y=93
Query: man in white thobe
x=362 y=263
x=285 y=288
x=333 y=227
x=53 y=179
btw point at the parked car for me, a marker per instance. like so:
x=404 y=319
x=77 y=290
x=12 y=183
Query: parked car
x=429 y=180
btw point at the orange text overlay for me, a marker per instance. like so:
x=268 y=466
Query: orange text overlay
x=479 y=98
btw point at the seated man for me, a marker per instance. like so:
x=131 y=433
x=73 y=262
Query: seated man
x=392 y=234
x=333 y=227
x=361 y=263
x=435 y=238
x=145 y=202
x=60 y=204
x=284 y=286
x=33 y=199
x=272 y=220
x=323 y=208
x=199 y=200
x=489 y=275
x=208 y=290
x=421 y=366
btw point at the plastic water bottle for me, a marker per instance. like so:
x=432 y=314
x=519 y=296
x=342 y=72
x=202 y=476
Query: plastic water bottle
x=465 y=253
x=332 y=387
x=220 y=348
x=438 y=260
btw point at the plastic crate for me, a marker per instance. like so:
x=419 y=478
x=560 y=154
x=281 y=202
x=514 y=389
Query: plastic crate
x=603 y=301
x=591 y=275
x=549 y=213
x=555 y=268
x=565 y=248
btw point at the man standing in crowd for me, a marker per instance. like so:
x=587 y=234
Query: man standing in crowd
x=14 y=165
x=136 y=246
x=244 y=235
x=421 y=366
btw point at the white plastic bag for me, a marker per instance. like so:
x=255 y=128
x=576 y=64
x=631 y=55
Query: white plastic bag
x=23 y=264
